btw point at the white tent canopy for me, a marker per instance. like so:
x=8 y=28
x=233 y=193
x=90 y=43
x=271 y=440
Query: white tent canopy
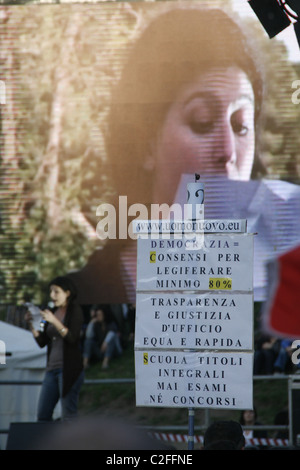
x=25 y=361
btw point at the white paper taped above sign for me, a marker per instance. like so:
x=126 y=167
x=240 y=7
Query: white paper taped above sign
x=144 y=227
x=224 y=262
x=194 y=321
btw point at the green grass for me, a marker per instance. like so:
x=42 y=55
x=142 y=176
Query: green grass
x=270 y=397
x=110 y=398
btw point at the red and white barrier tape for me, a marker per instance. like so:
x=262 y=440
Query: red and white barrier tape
x=167 y=437
x=268 y=442
x=180 y=438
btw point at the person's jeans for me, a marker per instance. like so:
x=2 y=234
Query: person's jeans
x=92 y=350
x=51 y=393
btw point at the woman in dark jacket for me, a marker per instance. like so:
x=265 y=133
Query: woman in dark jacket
x=249 y=418
x=61 y=334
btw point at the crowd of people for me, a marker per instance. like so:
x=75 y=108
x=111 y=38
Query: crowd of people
x=230 y=435
x=98 y=337
x=247 y=433
x=103 y=433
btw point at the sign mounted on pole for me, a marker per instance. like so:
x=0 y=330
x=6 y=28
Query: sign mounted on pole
x=194 y=313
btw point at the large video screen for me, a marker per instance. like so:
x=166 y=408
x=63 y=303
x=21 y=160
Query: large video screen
x=109 y=109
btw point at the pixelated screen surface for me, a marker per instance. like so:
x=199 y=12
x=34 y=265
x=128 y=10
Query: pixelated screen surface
x=122 y=103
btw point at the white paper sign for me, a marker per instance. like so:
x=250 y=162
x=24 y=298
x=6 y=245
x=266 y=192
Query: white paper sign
x=194 y=321
x=224 y=262
x=198 y=380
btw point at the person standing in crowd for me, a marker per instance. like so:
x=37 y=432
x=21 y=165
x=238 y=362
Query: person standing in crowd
x=222 y=435
x=249 y=418
x=61 y=334
x=102 y=341
x=283 y=361
x=266 y=352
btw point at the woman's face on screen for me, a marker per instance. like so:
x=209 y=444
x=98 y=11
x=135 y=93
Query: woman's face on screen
x=208 y=129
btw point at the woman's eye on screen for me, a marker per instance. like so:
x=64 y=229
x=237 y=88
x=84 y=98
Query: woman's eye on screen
x=200 y=127
x=239 y=125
